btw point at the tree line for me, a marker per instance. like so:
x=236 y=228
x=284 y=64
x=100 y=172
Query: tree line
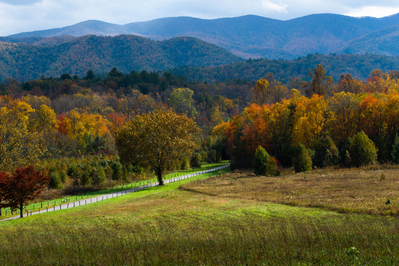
x=331 y=123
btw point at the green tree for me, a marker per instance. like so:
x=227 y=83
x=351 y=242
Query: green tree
x=182 y=101
x=261 y=161
x=55 y=181
x=302 y=160
x=326 y=153
x=362 y=150
x=196 y=160
x=157 y=139
x=117 y=171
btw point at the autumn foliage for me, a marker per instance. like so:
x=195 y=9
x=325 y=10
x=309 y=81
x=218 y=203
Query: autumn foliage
x=321 y=124
x=21 y=186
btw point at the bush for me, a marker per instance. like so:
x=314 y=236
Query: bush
x=261 y=161
x=274 y=167
x=302 y=160
x=196 y=160
x=55 y=181
x=362 y=150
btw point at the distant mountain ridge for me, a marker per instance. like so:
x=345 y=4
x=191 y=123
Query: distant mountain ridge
x=254 y=36
x=126 y=52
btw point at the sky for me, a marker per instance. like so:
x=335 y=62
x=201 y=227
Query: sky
x=28 y=15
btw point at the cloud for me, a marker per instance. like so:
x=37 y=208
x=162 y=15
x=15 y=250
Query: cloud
x=20 y=2
x=278 y=7
x=373 y=11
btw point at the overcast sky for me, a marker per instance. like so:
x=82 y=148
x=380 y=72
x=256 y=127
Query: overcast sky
x=28 y=15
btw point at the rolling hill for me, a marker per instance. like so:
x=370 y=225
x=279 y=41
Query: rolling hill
x=126 y=52
x=254 y=36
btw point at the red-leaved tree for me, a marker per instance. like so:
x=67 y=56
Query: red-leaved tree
x=23 y=185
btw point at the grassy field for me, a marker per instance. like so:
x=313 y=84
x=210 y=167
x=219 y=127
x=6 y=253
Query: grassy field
x=188 y=225
x=345 y=190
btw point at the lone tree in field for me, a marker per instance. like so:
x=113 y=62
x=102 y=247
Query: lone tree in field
x=158 y=139
x=23 y=185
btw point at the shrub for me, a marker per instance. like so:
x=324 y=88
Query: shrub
x=196 y=160
x=55 y=181
x=362 y=150
x=261 y=161
x=302 y=160
x=274 y=167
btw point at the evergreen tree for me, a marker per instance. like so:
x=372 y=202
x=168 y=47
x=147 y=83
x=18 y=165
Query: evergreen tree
x=362 y=150
x=302 y=160
x=325 y=152
x=261 y=161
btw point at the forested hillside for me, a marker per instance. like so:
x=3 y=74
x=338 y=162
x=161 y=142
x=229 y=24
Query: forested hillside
x=359 y=66
x=101 y=54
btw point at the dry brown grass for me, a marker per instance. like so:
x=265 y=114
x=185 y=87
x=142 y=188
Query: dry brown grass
x=345 y=190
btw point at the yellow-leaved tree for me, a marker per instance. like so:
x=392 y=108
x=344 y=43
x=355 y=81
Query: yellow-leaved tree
x=157 y=139
x=18 y=145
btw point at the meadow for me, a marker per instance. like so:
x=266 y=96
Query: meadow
x=199 y=223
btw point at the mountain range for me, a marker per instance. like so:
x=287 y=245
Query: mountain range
x=251 y=36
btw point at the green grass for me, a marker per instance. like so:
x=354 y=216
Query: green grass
x=56 y=202
x=169 y=226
